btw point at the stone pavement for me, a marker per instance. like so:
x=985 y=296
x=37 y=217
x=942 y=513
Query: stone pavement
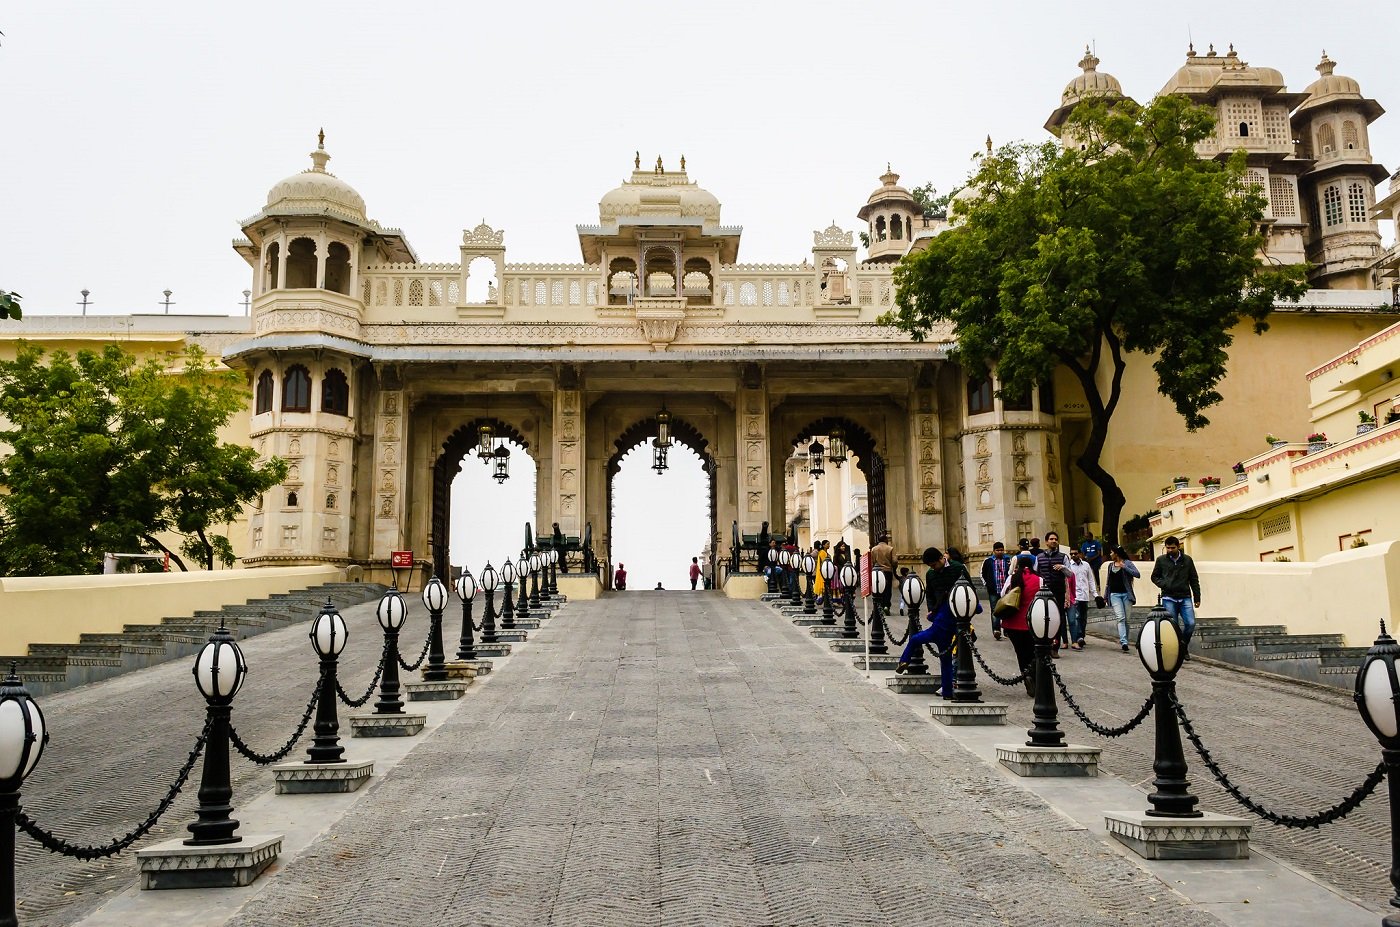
x=680 y=758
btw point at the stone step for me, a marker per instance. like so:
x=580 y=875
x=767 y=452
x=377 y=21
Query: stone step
x=1289 y=643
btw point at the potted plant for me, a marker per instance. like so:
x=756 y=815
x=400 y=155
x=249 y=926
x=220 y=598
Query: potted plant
x=1392 y=416
x=1274 y=440
x=1211 y=483
x=1359 y=542
x=1181 y=482
x=1367 y=423
x=1317 y=441
x=1240 y=475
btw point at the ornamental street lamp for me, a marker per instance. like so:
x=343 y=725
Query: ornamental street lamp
x=849 y=577
x=435 y=598
x=507 y=605
x=1377 y=694
x=815 y=452
x=828 y=569
x=962 y=602
x=391 y=613
x=658 y=455
x=912 y=592
x=1044 y=618
x=809 y=567
x=553 y=571
x=328 y=636
x=836 y=447
x=486 y=445
x=773 y=569
x=536 y=564
x=23 y=734
x=489 y=578
x=466 y=591
x=219 y=670
x=501 y=472
x=1162 y=651
x=877 y=620
x=794 y=563
x=663 y=427
x=522 y=570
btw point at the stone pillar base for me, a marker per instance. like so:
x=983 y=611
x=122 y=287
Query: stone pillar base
x=467 y=669
x=435 y=691
x=847 y=645
x=528 y=624
x=513 y=636
x=304 y=778
x=400 y=725
x=961 y=713
x=1210 y=836
x=492 y=650
x=773 y=597
x=806 y=621
x=824 y=631
x=173 y=865
x=878 y=661
x=913 y=684
x=1069 y=760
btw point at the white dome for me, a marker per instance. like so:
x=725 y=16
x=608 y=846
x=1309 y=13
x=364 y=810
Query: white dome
x=1092 y=82
x=659 y=194
x=315 y=189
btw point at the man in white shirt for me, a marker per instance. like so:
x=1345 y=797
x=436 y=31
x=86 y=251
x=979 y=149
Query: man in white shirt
x=1082 y=591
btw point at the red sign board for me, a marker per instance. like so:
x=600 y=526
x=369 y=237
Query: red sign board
x=401 y=560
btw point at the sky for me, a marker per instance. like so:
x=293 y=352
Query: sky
x=135 y=144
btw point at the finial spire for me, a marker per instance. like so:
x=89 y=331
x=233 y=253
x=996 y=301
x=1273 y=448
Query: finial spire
x=637 y=160
x=989 y=144
x=1090 y=61
x=682 y=162
x=321 y=139
x=319 y=157
x=659 y=168
x=1326 y=65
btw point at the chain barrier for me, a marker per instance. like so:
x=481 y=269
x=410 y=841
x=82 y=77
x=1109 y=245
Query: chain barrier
x=889 y=635
x=1097 y=728
x=270 y=758
x=56 y=844
x=1335 y=813
x=421 y=657
x=998 y=679
x=378 y=672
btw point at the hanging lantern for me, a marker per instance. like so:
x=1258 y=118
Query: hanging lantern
x=658 y=455
x=663 y=427
x=501 y=472
x=485 y=443
x=815 y=452
x=836 y=447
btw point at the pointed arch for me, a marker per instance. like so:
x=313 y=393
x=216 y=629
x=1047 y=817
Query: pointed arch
x=862 y=444
x=448 y=464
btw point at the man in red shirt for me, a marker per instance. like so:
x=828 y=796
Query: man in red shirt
x=694 y=571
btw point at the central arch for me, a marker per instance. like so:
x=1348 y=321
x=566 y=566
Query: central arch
x=684 y=433
x=448 y=464
x=861 y=443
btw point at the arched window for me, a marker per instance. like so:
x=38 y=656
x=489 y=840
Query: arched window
x=263 y=401
x=335 y=393
x=338 y=268
x=979 y=395
x=292 y=500
x=1326 y=140
x=296 y=390
x=1349 y=137
x=1012 y=402
x=274 y=262
x=880 y=229
x=301 y=264
x=1046 y=396
x=896 y=229
x=1244 y=130
x=1332 y=205
x=1356 y=203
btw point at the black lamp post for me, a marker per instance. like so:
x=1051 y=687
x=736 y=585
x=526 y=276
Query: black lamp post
x=1377 y=694
x=489 y=578
x=962 y=602
x=773 y=569
x=328 y=636
x=22 y=738
x=849 y=577
x=435 y=598
x=466 y=591
x=536 y=564
x=507 y=603
x=1162 y=651
x=793 y=562
x=219 y=671
x=391 y=613
x=522 y=570
x=809 y=569
x=553 y=571
x=877 y=622
x=828 y=570
x=1045 y=619
x=912 y=592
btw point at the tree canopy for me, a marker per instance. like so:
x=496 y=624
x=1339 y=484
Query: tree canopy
x=107 y=453
x=1077 y=257
x=9 y=305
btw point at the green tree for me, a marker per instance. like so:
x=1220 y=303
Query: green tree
x=1077 y=258
x=933 y=204
x=9 y=305
x=107 y=453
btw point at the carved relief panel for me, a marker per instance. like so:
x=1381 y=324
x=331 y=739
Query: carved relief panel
x=929 y=469
x=568 y=433
x=389 y=456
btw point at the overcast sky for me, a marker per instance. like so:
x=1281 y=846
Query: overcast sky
x=136 y=141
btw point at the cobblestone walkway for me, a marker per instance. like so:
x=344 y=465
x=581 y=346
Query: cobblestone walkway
x=684 y=759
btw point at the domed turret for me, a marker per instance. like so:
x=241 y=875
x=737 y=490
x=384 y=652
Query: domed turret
x=316 y=190
x=657 y=196
x=890 y=213
x=1091 y=84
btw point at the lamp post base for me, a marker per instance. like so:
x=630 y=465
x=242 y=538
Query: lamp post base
x=968 y=713
x=878 y=661
x=847 y=645
x=1210 y=836
x=807 y=621
x=403 y=725
x=492 y=650
x=307 y=778
x=436 y=690
x=467 y=669
x=1041 y=762
x=824 y=631
x=915 y=683
x=173 y=865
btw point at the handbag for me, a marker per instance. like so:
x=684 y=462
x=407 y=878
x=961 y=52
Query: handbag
x=1098 y=601
x=1009 y=604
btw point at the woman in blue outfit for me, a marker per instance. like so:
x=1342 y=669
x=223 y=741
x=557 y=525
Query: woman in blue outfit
x=1119 y=587
x=938 y=584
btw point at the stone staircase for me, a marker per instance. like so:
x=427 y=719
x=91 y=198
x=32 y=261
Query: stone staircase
x=1317 y=658
x=48 y=668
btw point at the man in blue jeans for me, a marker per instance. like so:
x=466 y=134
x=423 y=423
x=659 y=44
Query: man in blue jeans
x=1174 y=574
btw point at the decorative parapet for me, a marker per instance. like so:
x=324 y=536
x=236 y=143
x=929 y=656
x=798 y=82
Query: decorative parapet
x=833 y=236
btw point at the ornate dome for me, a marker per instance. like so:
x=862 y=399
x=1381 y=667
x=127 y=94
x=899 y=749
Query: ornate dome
x=889 y=193
x=1092 y=82
x=659 y=194
x=316 y=189
x=1332 y=85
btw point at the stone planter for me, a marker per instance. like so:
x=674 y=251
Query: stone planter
x=1211 y=487
x=1179 y=484
x=1279 y=444
x=1316 y=446
x=1241 y=477
x=1365 y=427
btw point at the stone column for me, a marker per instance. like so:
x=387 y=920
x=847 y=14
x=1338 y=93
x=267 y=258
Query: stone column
x=755 y=502
x=388 y=513
x=925 y=468
x=567 y=504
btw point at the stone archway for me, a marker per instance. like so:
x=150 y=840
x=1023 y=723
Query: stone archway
x=861 y=443
x=448 y=464
x=682 y=432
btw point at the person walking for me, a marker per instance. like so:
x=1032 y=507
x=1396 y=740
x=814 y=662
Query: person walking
x=996 y=569
x=818 y=583
x=1083 y=591
x=1119 y=586
x=694 y=572
x=938 y=583
x=1053 y=567
x=1017 y=627
x=1092 y=551
x=882 y=558
x=620 y=578
x=1174 y=574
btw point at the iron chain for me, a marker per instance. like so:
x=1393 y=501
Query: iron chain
x=378 y=672
x=270 y=758
x=999 y=680
x=889 y=635
x=1338 y=811
x=56 y=844
x=421 y=657
x=1097 y=728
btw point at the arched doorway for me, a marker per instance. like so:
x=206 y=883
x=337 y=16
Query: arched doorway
x=861 y=445
x=635 y=444
x=460 y=445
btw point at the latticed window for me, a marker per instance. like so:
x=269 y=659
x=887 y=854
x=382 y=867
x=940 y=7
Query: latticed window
x=1276 y=124
x=556 y=293
x=1356 y=203
x=435 y=293
x=767 y=293
x=1332 y=206
x=1282 y=198
x=398 y=292
x=592 y=293
x=415 y=292
x=454 y=293
x=364 y=293
x=748 y=294
x=784 y=295
x=541 y=294
x=728 y=291
x=867 y=293
x=1326 y=140
x=575 y=293
x=1276 y=524
x=1349 y=136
